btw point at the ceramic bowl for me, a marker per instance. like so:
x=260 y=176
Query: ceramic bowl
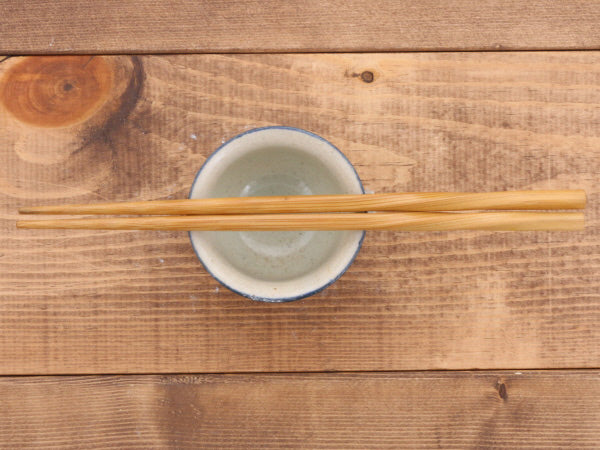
x=284 y=265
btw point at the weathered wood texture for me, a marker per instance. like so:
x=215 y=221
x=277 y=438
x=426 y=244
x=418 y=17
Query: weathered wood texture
x=408 y=410
x=153 y=26
x=81 y=129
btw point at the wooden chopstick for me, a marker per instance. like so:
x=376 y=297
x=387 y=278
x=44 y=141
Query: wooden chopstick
x=408 y=221
x=419 y=201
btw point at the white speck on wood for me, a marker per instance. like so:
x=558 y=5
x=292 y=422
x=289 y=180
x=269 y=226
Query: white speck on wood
x=193 y=136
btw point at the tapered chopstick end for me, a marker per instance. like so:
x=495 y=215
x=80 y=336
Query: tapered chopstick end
x=583 y=199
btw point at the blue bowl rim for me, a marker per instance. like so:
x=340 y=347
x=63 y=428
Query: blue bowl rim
x=277 y=299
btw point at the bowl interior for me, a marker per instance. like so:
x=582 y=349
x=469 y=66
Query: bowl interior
x=267 y=265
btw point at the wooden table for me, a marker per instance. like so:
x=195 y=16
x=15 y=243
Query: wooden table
x=449 y=340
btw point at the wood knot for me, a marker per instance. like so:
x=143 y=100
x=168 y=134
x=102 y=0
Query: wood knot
x=501 y=387
x=55 y=91
x=367 y=76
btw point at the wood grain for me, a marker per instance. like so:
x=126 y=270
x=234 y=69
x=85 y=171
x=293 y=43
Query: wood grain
x=154 y=26
x=397 y=201
x=121 y=302
x=394 y=221
x=393 y=410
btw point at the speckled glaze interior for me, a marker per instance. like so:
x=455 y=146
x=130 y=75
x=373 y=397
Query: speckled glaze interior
x=276 y=266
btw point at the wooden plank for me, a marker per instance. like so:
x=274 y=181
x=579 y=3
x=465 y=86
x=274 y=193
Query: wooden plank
x=388 y=410
x=75 y=129
x=151 y=26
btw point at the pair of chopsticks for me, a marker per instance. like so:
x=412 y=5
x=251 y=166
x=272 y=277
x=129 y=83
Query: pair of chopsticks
x=428 y=211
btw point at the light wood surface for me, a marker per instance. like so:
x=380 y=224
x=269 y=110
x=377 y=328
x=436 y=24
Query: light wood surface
x=397 y=201
x=459 y=410
x=191 y=26
x=392 y=221
x=82 y=129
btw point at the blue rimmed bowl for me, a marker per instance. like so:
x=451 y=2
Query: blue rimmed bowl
x=276 y=266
